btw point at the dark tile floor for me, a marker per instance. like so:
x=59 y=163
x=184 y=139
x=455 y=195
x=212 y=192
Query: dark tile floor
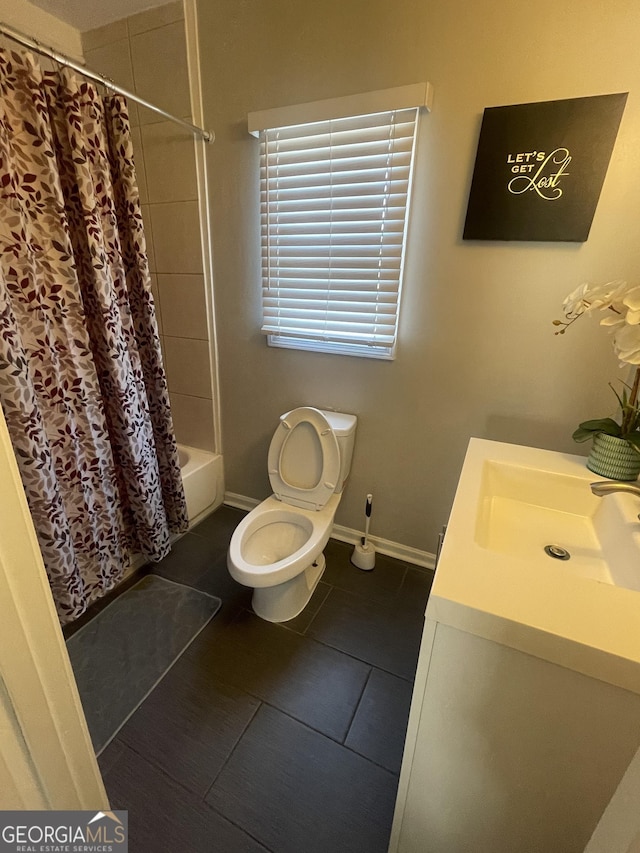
x=282 y=738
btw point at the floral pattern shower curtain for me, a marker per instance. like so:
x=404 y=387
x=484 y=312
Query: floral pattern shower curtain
x=82 y=384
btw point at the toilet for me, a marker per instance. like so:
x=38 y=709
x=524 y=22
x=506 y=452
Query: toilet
x=277 y=548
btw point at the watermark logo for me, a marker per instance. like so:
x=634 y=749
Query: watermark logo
x=63 y=832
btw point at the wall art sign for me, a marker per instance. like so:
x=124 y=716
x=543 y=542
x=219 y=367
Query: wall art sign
x=540 y=169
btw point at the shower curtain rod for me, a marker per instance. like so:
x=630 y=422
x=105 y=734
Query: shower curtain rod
x=34 y=44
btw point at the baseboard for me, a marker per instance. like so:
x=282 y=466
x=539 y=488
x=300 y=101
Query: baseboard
x=239 y=501
x=405 y=553
x=346 y=534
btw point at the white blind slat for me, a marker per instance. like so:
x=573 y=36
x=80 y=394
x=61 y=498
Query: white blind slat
x=288 y=277
x=333 y=204
x=311 y=302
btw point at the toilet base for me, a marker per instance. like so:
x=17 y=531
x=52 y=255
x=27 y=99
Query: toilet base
x=287 y=600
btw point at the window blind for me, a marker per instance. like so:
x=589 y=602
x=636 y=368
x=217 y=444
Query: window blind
x=334 y=199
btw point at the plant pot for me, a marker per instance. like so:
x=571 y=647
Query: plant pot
x=613 y=458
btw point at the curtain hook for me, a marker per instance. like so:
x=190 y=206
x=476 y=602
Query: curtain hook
x=109 y=85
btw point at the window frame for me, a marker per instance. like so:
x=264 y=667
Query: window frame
x=415 y=96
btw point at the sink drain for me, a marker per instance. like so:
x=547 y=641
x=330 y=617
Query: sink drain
x=557 y=552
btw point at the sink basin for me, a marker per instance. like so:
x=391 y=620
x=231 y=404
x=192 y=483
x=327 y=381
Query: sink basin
x=495 y=580
x=522 y=510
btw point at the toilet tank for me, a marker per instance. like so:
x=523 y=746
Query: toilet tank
x=344 y=428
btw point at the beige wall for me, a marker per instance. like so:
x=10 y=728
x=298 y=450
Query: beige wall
x=146 y=53
x=34 y=22
x=477 y=354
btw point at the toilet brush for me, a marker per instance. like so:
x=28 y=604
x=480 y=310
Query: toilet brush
x=364 y=554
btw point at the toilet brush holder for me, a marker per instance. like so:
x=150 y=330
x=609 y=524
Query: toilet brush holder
x=364 y=556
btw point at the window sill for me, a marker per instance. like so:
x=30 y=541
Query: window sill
x=358 y=350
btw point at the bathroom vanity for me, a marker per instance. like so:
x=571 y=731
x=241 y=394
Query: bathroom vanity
x=526 y=704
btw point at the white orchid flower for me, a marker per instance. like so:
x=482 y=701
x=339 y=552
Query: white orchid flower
x=615 y=291
x=576 y=303
x=613 y=320
x=632 y=302
x=626 y=343
x=590 y=297
x=583 y=299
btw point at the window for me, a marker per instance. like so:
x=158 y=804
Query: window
x=334 y=196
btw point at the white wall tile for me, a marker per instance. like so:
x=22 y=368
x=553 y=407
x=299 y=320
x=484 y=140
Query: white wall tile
x=176 y=237
x=193 y=421
x=102 y=36
x=187 y=366
x=183 y=304
x=160 y=71
x=170 y=162
x=151 y=19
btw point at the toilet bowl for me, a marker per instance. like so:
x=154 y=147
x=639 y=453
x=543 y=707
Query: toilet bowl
x=277 y=548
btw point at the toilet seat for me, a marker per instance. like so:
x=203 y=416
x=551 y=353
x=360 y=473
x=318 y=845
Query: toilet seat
x=253 y=570
x=316 y=495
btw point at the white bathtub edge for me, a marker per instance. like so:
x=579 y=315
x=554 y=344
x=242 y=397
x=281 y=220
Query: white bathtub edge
x=203 y=481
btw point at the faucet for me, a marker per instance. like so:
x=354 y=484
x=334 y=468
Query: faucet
x=607 y=487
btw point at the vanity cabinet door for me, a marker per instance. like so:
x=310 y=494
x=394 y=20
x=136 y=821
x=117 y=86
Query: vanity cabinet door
x=507 y=752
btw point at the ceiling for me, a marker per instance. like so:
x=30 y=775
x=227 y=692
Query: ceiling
x=87 y=14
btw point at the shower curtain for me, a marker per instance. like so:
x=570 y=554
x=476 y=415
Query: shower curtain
x=82 y=384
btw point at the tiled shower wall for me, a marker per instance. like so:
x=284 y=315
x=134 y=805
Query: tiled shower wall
x=146 y=53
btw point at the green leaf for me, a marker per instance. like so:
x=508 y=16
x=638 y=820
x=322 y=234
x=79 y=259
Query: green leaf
x=580 y=435
x=587 y=429
x=634 y=440
x=620 y=399
x=606 y=425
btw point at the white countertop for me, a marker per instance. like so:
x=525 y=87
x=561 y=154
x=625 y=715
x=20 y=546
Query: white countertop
x=520 y=597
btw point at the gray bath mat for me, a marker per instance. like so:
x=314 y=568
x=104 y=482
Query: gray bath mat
x=123 y=652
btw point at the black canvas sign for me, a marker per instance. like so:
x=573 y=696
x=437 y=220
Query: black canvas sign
x=540 y=168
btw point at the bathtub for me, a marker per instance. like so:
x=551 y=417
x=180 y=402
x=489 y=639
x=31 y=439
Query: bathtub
x=203 y=481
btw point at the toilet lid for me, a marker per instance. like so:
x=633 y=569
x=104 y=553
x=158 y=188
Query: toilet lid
x=304 y=459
